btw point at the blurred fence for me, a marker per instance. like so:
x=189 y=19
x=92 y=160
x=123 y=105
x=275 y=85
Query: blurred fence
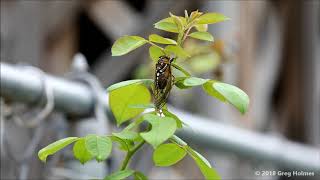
x=75 y=98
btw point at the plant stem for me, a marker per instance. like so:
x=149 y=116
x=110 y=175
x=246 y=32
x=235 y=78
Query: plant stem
x=181 y=69
x=130 y=154
x=185 y=35
x=138 y=147
x=178 y=140
x=179 y=39
x=153 y=44
x=126 y=161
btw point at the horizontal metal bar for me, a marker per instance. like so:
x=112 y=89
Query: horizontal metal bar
x=250 y=144
x=24 y=85
x=76 y=98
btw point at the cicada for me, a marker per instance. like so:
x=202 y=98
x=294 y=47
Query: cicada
x=163 y=82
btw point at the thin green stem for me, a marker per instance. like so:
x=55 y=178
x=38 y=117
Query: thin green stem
x=153 y=44
x=178 y=140
x=181 y=69
x=134 y=150
x=179 y=39
x=126 y=161
x=130 y=154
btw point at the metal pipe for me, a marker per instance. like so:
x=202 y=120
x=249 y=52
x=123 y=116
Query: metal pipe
x=24 y=85
x=76 y=98
x=250 y=144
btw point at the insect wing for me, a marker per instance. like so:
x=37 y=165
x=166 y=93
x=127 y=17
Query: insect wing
x=163 y=83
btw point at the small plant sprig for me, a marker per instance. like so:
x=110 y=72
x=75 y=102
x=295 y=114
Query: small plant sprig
x=129 y=99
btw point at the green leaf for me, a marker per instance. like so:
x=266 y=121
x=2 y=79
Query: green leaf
x=178 y=21
x=201 y=27
x=139 y=176
x=119 y=175
x=198 y=155
x=204 y=166
x=55 y=147
x=125 y=145
x=194 y=15
x=179 y=83
x=80 y=151
x=181 y=69
x=234 y=95
x=126 y=44
x=230 y=93
x=168 y=154
x=142 y=106
x=146 y=82
x=202 y=36
x=121 y=98
x=162 y=129
x=194 y=81
x=166 y=26
x=155 y=53
x=137 y=121
x=210 y=18
x=159 y=39
x=168 y=19
x=177 y=50
x=187 y=82
x=169 y=114
x=125 y=134
x=208 y=88
x=98 y=146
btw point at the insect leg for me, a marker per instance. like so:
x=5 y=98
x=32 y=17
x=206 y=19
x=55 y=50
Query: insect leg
x=173 y=79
